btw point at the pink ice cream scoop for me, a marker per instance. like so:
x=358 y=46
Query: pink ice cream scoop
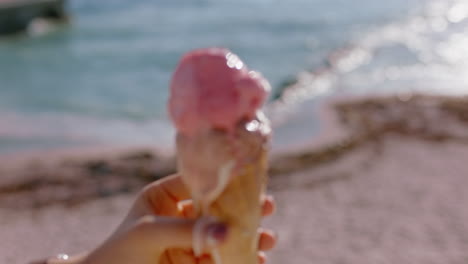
x=212 y=94
x=222 y=142
x=212 y=88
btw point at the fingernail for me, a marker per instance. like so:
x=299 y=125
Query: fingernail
x=262 y=258
x=216 y=232
x=182 y=204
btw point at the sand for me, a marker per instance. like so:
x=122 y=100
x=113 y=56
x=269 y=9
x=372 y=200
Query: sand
x=403 y=204
x=391 y=191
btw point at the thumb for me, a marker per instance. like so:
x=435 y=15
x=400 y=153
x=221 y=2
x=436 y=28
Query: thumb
x=169 y=232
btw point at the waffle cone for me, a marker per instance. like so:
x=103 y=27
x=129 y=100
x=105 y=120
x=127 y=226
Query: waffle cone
x=239 y=206
x=233 y=197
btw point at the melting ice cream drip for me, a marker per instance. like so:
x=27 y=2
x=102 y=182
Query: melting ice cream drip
x=224 y=174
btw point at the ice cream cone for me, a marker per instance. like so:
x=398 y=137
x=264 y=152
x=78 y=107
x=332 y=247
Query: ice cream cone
x=222 y=142
x=239 y=207
x=236 y=199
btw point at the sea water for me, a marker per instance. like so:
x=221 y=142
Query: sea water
x=103 y=79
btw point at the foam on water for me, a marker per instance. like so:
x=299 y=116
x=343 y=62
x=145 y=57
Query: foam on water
x=52 y=130
x=426 y=52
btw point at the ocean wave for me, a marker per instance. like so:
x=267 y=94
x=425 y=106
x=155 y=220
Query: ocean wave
x=120 y=99
x=426 y=48
x=64 y=129
x=423 y=53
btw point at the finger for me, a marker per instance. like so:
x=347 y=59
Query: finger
x=176 y=187
x=262 y=257
x=205 y=259
x=187 y=209
x=167 y=232
x=267 y=239
x=177 y=256
x=162 y=196
x=268 y=205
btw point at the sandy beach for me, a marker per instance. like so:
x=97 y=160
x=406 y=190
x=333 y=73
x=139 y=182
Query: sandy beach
x=388 y=188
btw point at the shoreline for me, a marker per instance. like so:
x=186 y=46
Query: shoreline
x=349 y=123
x=74 y=176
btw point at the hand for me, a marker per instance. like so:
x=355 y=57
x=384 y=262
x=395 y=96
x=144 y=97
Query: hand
x=158 y=229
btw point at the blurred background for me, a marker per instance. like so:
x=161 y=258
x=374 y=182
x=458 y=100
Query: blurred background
x=369 y=109
x=103 y=79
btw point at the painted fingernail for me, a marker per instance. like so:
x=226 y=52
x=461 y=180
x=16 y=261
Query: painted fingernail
x=262 y=258
x=217 y=233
